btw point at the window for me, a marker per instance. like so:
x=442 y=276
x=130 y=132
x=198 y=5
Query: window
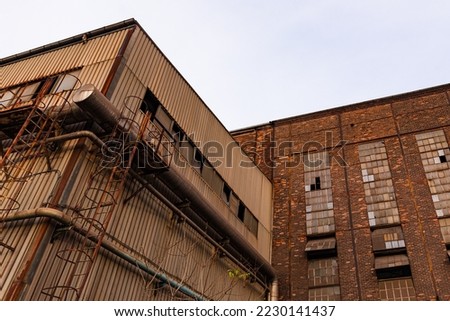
x=322 y=272
x=378 y=186
x=30 y=92
x=198 y=160
x=392 y=266
x=327 y=293
x=66 y=82
x=318 y=194
x=8 y=97
x=241 y=212
x=316 y=185
x=321 y=247
x=323 y=279
x=445 y=229
x=388 y=239
x=226 y=193
x=249 y=220
x=150 y=103
x=397 y=290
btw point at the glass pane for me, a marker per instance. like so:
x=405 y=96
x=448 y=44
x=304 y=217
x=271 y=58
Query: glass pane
x=66 y=81
x=29 y=91
x=8 y=97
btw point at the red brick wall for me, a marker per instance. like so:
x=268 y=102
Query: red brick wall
x=396 y=121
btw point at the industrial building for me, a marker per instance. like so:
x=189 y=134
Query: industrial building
x=119 y=183
x=362 y=205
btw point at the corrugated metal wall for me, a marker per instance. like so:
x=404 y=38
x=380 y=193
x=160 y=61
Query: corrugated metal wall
x=146 y=66
x=143 y=224
x=144 y=227
x=34 y=193
x=97 y=52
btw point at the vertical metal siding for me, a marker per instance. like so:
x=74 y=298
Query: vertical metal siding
x=149 y=65
x=74 y=56
x=34 y=193
x=145 y=225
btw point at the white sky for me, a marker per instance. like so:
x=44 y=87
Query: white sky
x=253 y=61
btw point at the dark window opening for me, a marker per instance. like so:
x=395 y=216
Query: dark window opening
x=48 y=85
x=393 y=273
x=443 y=158
x=198 y=157
x=241 y=212
x=226 y=193
x=38 y=90
x=150 y=103
x=177 y=133
x=316 y=185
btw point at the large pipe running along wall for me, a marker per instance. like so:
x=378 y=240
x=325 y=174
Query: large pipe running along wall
x=192 y=221
x=237 y=247
x=60 y=217
x=95 y=104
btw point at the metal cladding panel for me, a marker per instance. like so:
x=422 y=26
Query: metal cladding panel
x=96 y=74
x=144 y=228
x=71 y=57
x=128 y=85
x=152 y=69
x=34 y=193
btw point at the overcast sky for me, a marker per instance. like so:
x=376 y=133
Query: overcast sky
x=253 y=61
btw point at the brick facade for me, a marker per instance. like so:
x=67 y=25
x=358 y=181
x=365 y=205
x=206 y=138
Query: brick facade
x=278 y=149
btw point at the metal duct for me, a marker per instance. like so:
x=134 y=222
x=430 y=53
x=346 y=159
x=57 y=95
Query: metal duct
x=94 y=103
x=177 y=184
x=185 y=190
x=97 y=106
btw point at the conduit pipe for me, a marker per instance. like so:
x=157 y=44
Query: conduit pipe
x=97 y=141
x=97 y=106
x=60 y=217
x=198 y=204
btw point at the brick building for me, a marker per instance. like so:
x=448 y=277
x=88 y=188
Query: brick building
x=361 y=198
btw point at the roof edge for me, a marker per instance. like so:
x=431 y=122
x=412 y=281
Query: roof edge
x=69 y=41
x=353 y=106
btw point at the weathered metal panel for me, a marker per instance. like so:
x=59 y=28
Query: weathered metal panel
x=152 y=69
x=74 y=56
x=144 y=227
x=34 y=193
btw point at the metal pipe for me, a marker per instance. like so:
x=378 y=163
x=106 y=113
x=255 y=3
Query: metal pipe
x=184 y=188
x=242 y=248
x=60 y=217
x=274 y=290
x=194 y=225
x=97 y=106
x=104 y=112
